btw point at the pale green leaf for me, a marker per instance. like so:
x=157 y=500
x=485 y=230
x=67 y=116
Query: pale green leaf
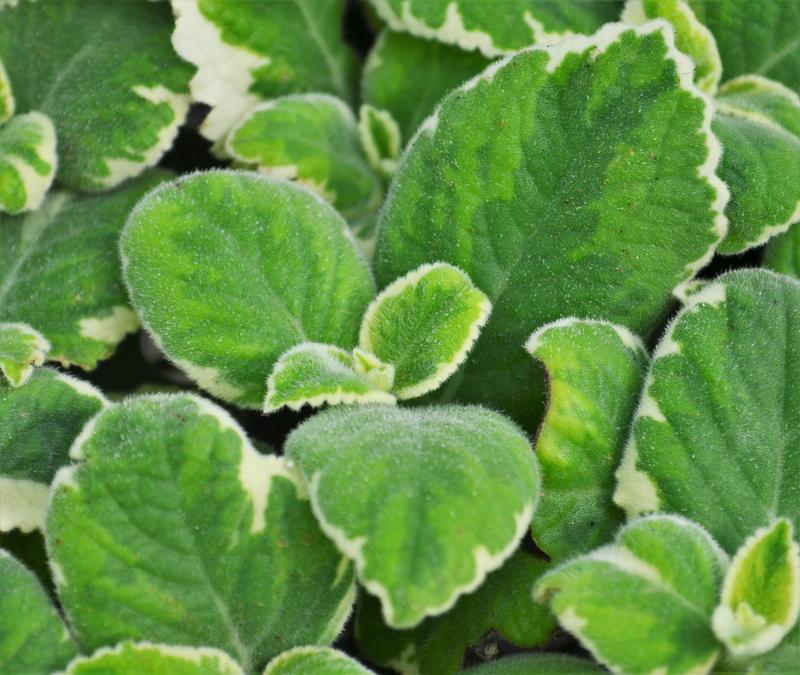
x=21 y=349
x=470 y=484
x=130 y=658
x=761 y=593
x=594 y=374
x=314 y=661
x=7 y=103
x=38 y=424
x=314 y=374
x=229 y=270
x=555 y=173
x=408 y=76
x=247 y=52
x=691 y=36
x=173 y=528
x=714 y=437
x=60 y=271
x=33 y=640
x=758 y=124
x=782 y=253
x=312 y=139
x=380 y=138
x=437 y=645
x=109 y=79
x=27 y=161
x=540 y=664
x=424 y=324
x=476 y=24
x=783 y=659
x=643 y=604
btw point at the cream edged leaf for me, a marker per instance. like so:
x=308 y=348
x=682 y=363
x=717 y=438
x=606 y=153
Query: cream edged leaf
x=21 y=349
x=27 y=161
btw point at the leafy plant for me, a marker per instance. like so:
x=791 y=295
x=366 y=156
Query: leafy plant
x=537 y=260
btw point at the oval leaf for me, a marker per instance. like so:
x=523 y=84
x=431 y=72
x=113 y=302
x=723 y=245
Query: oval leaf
x=27 y=162
x=314 y=661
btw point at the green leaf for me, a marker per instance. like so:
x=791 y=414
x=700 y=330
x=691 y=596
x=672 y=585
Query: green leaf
x=758 y=124
x=312 y=139
x=315 y=374
x=408 y=76
x=656 y=586
x=229 y=270
x=38 y=423
x=380 y=138
x=782 y=253
x=129 y=658
x=469 y=487
x=541 y=664
x=424 y=324
x=185 y=534
x=714 y=435
x=761 y=593
x=247 y=52
x=594 y=373
x=109 y=79
x=755 y=37
x=60 y=271
x=783 y=659
x=7 y=103
x=314 y=661
x=27 y=161
x=33 y=640
x=437 y=645
x=555 y=173
x=691 y=36
x=21 y=349
x=479 y=25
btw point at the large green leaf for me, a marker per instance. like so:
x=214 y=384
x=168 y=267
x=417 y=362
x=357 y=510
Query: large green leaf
x=173 y=528
x=228 y=270
x=21 y=349
x=715 y=436
x=27 y=161
x=477 y=24
x=38 y=423
x=556 y=173
x=437 y=645
x=594 y=373
x=247 y=52
x=468 y=487
x=60 y=271
x=33 y=640
x=643 y=604
x=314 y=661
x=108 y=79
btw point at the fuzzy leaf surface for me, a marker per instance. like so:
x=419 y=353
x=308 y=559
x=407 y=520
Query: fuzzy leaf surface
x=380 y=137
x=469 y=487
x=21 y=349
x=782 y=253
x=314 y=661
x=27 y=161
x=173 y=528
x=229 y=270
x=541 y=664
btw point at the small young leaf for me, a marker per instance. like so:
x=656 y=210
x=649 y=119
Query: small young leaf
x=691 y=36
x=60 y=271
x=229 y=270
x=782 y=253
x=594 y=372
x=38 y=424
x=424 y=324
x=437 y=645
x=7 y=103
x=408 y=76
x=469 y=486
x=21 y=348
x=713 y=438
x=540 y=664
x=109 y=79
x=33 y=640
x=656 y=586
x=247 y=52
x=758 y=123
x=131 y=658
x=314 y=661
x=173 y=528
x=27 y=161
x=312 y=139
x=761 y=593
x=315 y=374
x=380 y=138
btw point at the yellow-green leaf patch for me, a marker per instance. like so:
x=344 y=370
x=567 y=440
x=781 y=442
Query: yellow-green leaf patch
x=314 y=661
x=21 y=349
x=27 y=161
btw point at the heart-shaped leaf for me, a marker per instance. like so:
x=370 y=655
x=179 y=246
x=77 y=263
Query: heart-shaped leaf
x=656 y=586
x=21 y=349
x=594 y=373
x=173 y=528
x=714 y=437
x=314 y=661
x=469 y=486
x=27 y=161
x=229 y=270
x=556 y=173
x=109 y=79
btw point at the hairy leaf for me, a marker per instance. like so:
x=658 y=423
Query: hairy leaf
x=541 y=664
x=314 y=661
x=27 y=161
x=21 y=349
x=380 y=139
x=782 y=253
